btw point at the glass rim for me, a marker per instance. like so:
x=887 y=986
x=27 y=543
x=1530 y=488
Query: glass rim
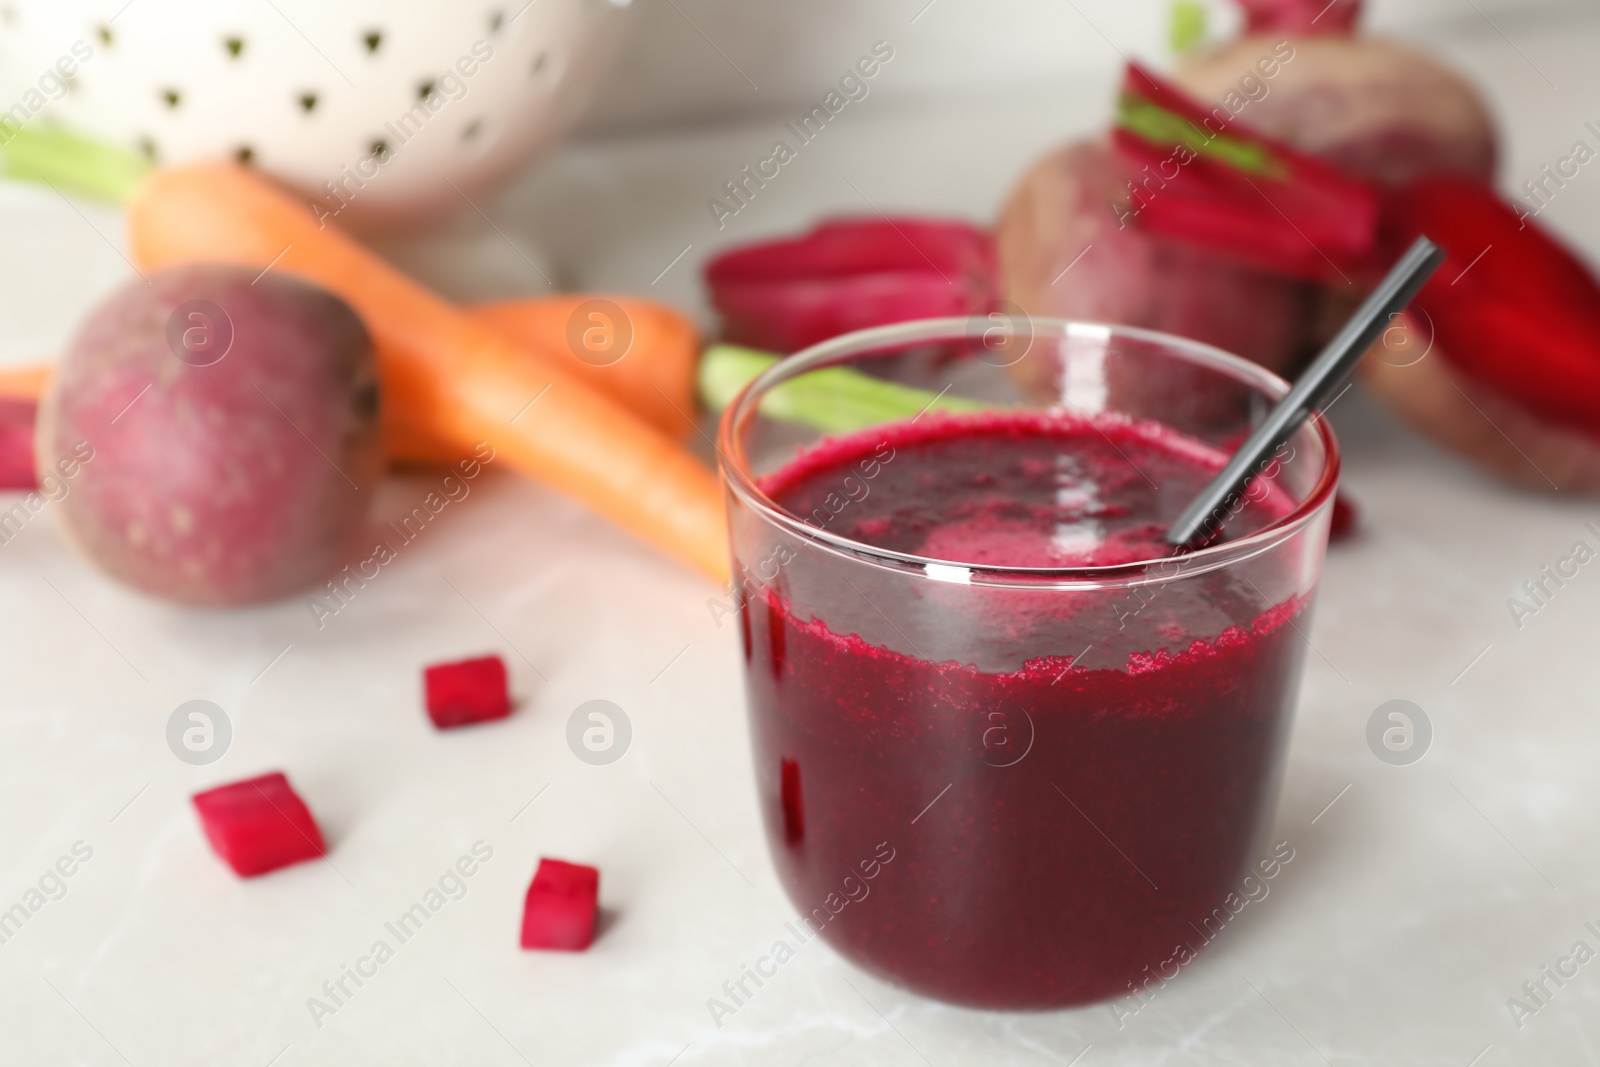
x=737 y=476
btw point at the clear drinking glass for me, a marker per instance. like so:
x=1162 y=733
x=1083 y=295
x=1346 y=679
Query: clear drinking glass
x=1017 y=787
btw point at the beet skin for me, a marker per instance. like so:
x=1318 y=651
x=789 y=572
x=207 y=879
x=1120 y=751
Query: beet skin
x=233 y=423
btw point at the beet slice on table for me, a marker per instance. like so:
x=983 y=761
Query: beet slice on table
x=560 y=908
x=472 y=690
x=259 y=824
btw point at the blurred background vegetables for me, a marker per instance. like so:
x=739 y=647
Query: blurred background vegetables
x=442 y=372
x=1510 y=329
x=1247 y=199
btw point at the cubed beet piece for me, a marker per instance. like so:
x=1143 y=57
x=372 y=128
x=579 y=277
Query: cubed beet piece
x=259 y=825
x=560 y=908
x=473 y=690
x=1345 y=517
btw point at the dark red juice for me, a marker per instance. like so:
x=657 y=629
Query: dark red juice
x=1068 y=783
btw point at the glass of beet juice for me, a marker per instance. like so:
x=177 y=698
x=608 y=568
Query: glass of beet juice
x=1011 y=751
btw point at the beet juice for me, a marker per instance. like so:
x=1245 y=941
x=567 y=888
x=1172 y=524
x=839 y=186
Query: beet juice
x=1015 y=794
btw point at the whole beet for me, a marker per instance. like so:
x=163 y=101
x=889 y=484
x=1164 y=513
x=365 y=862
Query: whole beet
x=224 y=432
x=1375 y=108
x=1064 y=253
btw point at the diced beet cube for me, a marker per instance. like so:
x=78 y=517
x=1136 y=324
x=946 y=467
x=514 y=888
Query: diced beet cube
x=560 y=908
x=258 y=825
x=1345 y=517
x=794 y=815
x=473 y=690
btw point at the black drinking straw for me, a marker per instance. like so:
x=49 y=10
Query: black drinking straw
x=1204 y=515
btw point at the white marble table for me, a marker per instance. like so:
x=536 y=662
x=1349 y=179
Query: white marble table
x=1416 y=905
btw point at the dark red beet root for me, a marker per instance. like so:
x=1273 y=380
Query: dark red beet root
x=473 y=690
x=16 y=444
x=561 y=905
x=1375 y=108
x=259 y=825
x=1058 y=214
x=232 y=417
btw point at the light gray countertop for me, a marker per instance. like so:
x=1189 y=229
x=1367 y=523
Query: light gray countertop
x=1419 y=900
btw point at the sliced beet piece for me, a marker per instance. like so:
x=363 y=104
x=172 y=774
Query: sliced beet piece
x=259 y=824
x=1513 y=307
x=849 y=273
x=560 y=908
x=1238 y=194
x=472 y=690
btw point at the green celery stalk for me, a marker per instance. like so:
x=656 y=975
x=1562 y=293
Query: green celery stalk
x=53 y=155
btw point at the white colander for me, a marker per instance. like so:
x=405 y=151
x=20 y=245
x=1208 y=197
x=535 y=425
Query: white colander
x=406 y=107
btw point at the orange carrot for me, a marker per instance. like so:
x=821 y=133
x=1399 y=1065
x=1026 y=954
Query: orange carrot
x=24 y=382
x=441 y=371
x=654 y=375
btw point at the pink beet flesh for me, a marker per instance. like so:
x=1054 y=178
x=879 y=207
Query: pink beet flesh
x=16 y=444
x=1301 y=16
x=259 y=825
x=849 y=274
x=560 y=908
x=473 y=690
